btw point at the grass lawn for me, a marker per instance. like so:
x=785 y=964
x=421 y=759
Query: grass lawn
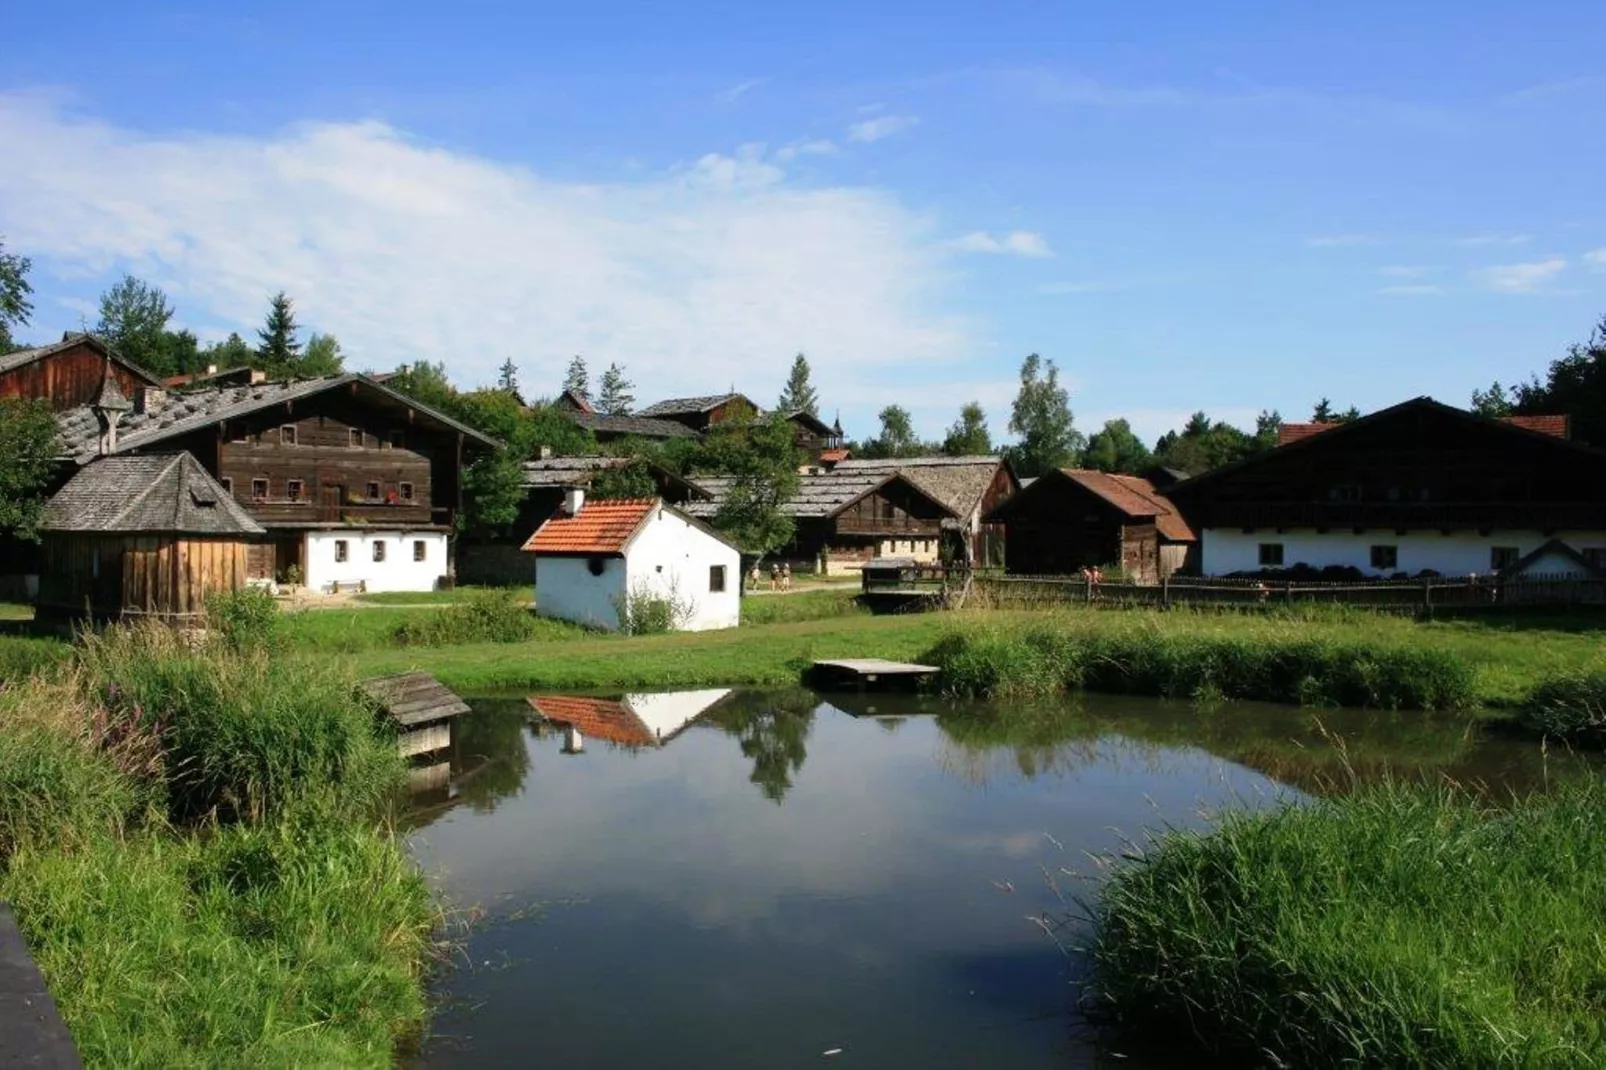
x=15 y=611
x=433 y=598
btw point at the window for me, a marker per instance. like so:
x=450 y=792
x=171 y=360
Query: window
x=420 y=549
x=398 y=439
x=259 y=490
x=1271 y=553
x=342 y=550
x=228 y=484
x=1386 y=557
x=379 y=549
x=287 y=435
x=888 y=511
x=1502 y=557
x=355 y=438
x=372 y=492
x=406 y=492
x=292 y=490
x=716 y=578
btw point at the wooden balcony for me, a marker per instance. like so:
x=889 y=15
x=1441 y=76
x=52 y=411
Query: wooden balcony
x=900 y=527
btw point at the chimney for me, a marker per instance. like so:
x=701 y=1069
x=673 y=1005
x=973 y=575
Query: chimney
x=546 y=453
x=573 y=741
x=149 y=399
x=108 y=409
x=574 y=498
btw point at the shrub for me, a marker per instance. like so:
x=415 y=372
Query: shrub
x=1391 y=927
x=244 y=619
x=242 y=734
x=491 y=616
x=1571 y=708
x=646 y=612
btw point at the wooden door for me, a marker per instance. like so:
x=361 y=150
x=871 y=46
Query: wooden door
x=334 y=496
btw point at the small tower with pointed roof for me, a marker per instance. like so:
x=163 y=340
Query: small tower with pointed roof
x=109 y=408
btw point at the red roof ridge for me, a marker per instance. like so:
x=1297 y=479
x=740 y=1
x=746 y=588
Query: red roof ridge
x=602 y=528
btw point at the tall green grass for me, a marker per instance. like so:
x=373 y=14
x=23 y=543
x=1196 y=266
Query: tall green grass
x=1571 y=708
x=486 y=616
x=1389 y=927
x=1312 y=670
x=22 y=657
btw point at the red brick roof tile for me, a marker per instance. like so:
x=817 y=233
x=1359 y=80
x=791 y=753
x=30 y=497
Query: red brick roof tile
x=603 y=528
x=596 y=718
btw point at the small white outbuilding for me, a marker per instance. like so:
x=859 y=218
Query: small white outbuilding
x=595 y=560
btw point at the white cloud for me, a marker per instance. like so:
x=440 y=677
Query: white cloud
x=881 y=127
x=1520 y=278
x=1596 y=258
x=740 y=90
x=815 y=147
x=1406 y=271
x=1484 y=241
x=1339 y=241
x=1016 y=242
x=1413 y=290
x=715 y=273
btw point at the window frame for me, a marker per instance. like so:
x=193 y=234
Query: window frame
x=406 y=491
x=342 y=551
x=379 y=551
x=1271 y=555
x=716 y=579
x=262 y=482
x=354 y=438
x=288 y=435
x=227 y=483
x=420 y=550
x=371 y=491
x=295 y=490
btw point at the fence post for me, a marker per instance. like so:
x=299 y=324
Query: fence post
x=1427 y=596
x=1165 y=591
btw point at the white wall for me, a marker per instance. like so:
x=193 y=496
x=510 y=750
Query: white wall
x=668 y=712
x=1457 y=554
x=673 y=557
x=566 y=589
x=398 y=572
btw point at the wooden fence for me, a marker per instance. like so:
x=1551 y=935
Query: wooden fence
x=1416 y=595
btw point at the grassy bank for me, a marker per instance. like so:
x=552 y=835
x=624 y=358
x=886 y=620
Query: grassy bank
x=193 y=839
x=1390 y=927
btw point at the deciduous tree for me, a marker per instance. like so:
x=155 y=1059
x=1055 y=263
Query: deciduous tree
x=321 y=357
x=15 y=307
x=133 y=320
x=1114 y=448
x=1042 y=418
x=28 y=450
x=968 y=436
x=761 y=457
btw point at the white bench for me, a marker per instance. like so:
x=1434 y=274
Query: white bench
x=360 y=586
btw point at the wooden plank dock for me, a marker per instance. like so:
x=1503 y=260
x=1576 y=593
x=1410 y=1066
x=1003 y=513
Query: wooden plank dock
x=862 y=672
x=420 y=705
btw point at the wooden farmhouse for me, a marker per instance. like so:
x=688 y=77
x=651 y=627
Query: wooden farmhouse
x=820 y=442
x=700 y=413
x=356 y=485
x=969 y=487
x=69 y=373
x=605 y=428
x=594 y=560
x=1075 y=518
x=1417 y=488
x=141 y=535
x=844 y=520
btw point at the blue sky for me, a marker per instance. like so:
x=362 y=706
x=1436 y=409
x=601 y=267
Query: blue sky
x=1225 y=206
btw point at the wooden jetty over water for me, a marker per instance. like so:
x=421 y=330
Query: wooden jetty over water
x=420 y=705
x=865 y=672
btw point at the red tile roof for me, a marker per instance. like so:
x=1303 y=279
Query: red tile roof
x=596 y=718
x=834 y=456
x=1555 y=426
x=602 y=528
x=1137 y=498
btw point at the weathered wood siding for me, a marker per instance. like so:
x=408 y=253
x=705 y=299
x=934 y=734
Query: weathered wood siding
x=68 y=378
x=988 y=545
x=893 y=510
x=118 y=575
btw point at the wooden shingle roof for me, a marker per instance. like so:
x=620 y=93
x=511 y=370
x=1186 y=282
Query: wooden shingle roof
x=156 y=492
x=688 y=406
x=960 y=483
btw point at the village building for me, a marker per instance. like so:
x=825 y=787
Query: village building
x=631 y=722
x=148 y=535
x=69 y=373
x=700 y=413
x=605 y=428
x=356 y=485
x=1072 y=519
x=1419 y=488
x=212 y=376
x=819 y=442
x=970 y=487
x=596 y=558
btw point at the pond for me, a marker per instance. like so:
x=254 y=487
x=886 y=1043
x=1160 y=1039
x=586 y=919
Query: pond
x=737 y=879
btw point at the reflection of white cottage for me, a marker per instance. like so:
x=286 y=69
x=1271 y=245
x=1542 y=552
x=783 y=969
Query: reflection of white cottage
x=593 y=558
x=631 y=721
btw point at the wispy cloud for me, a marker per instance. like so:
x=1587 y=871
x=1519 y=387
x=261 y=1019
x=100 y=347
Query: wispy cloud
x=1596 y=258
x=883 y=126
x=1559 y=88
x=1340 y=241
x=1484 y=241
x=1417 y=290
x=1406 y=271
x=740 y=90
x=814 y=147
x=407 y=251
x=1520 y=278
x=1016 y=243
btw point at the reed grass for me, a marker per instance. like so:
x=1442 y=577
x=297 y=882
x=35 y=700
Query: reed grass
x=22 y=657
x=1388 y=927
x=1264 y=664
x=1571 y=708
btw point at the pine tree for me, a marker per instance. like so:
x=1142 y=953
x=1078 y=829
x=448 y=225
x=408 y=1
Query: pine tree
x=617 y=395
x=799 y=394
x=507 y=378
x=278 y=348
x=577 y=381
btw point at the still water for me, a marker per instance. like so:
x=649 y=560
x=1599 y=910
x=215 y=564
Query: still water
x=785 y=879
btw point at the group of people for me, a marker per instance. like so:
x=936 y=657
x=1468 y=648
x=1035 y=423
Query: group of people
x=780 y=576
x=1092 y=577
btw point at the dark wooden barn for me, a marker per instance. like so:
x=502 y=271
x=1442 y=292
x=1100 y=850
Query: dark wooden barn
x=970 y=487
x=149 y=535
x=1073 y=519
x=816 y=438
x=701 y=413
x=69 y=373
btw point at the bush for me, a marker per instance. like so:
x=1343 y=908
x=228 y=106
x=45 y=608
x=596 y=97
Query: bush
x=1572 y=708
x=242 y=734
x=646 y=612
x=1392 y=927
x=1045 y=660
x=245 y=619
x=491 y=616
